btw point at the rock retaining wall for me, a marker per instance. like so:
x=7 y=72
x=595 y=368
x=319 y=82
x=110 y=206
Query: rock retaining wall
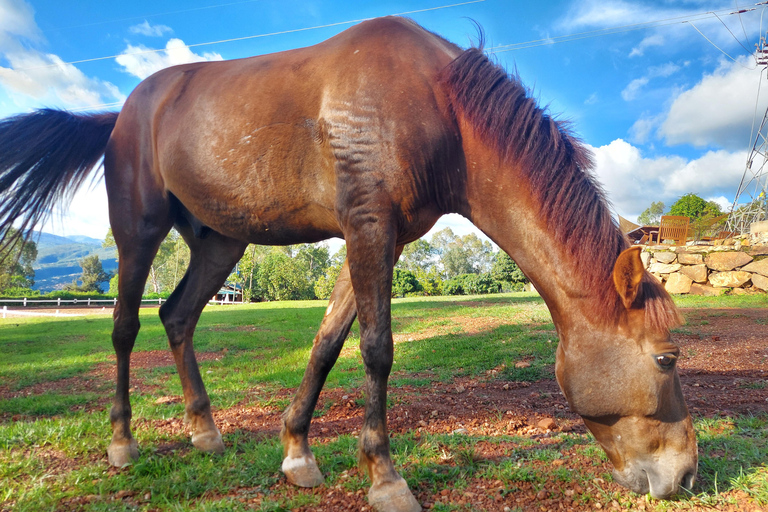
x=710 y=270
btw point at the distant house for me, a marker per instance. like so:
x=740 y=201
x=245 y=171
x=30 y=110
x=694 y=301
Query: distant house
x=229 y=293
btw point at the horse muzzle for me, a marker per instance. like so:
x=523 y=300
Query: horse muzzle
x=660 y=480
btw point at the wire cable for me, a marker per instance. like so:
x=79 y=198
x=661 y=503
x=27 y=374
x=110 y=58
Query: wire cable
x=244 y=38
x=734 y=36
x=721 y=50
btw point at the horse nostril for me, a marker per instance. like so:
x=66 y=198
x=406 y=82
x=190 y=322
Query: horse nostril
x=688 y=480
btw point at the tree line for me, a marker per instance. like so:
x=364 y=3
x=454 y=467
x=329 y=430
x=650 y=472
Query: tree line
x=446 y=264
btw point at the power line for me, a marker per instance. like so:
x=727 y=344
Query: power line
x=613 y=30
x=244 y=38
x=721 y=50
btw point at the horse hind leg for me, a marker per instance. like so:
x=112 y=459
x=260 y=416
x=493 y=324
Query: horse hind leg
x=212 y=260
x=136 y=254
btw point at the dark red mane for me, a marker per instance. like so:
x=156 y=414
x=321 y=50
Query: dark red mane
x=559 y=168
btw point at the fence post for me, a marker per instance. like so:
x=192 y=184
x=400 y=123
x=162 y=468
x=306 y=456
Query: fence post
x=115 y=303
x=89 y=301
x=25 y=302
x=5 y=311
x=59 y=302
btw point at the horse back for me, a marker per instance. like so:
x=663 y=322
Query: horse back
x=257 y=148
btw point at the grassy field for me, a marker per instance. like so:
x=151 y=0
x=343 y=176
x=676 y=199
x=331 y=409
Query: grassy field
x=54 y=428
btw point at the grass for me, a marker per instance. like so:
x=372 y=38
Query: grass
x=53 y=439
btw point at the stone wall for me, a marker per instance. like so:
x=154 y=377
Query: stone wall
x=739 y=267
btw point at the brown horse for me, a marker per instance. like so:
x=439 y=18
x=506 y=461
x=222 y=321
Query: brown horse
x=371 y=136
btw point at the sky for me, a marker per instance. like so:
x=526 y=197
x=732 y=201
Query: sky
x=665 y=93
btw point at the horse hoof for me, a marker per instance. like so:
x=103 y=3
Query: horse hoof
x=302 y=471
x=120 y=454
x=209 y=441
x=393 y=497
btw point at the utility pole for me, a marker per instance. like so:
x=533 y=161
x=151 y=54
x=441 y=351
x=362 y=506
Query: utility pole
x=753 y=189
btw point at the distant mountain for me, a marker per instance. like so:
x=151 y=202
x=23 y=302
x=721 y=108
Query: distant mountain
x=58 y=259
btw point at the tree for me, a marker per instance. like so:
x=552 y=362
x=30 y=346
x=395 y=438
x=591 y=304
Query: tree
x=505 y=269
x=706 y=216
x=169 y=265
x=465 y=255
x=404 y=282
x=16 y=262
x=92 y=277
x=692 y=206
x=324 y=285
x=416 y=256
x=315 y=258
x=281 y=277
x=652 y=215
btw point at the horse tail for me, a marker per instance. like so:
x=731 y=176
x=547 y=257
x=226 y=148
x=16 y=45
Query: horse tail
x=45 y=156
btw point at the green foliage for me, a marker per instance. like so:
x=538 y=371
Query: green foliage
x=404 y=282
x=505 y=269
x=325 y=283
x=20 y=292
x=431 y=282
x=281 y=277
x=651 y=215
x=169 y=265
x=471 y=284
x=92 y=277
x=16 y=263
x=462 y=255
x=417 y=256
x=694 y=207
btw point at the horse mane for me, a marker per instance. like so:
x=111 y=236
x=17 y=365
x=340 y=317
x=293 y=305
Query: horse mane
x=559 y=167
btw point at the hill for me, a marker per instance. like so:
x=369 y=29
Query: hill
x=58 y=259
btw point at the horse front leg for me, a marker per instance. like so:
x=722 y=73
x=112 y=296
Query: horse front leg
x=371 y=255
x=299 y=463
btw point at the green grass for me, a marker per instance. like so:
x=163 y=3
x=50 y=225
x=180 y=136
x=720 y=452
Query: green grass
x=54 y=434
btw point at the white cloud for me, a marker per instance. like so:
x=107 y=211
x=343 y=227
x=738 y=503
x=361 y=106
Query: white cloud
x=592 y=100
x=32 y=77
x=631 y=91
x=648 y=42
x=632 y=180
x=145 y=29
x=718 y=111
x=141 y=62
x=86 y=215
x=17 y=20
x=584 y=15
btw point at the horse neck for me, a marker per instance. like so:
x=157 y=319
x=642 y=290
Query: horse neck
x=500 y=203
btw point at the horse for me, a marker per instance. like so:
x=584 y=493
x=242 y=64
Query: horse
x=371 y=136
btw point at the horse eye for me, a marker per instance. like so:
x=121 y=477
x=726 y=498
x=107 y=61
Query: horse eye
x=665 y=361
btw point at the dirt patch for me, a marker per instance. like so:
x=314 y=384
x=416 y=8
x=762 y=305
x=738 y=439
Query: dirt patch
x=103 y=375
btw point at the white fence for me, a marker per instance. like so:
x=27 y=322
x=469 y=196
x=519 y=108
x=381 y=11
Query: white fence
x=59 y=302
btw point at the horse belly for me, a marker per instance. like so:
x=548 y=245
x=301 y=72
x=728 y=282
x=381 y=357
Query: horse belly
x=266 y=185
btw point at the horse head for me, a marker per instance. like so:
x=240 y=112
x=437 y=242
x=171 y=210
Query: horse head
x=622 y=380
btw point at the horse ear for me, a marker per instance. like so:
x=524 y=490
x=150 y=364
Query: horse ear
x=627 y=275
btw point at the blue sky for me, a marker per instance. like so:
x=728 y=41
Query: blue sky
x=647 y=85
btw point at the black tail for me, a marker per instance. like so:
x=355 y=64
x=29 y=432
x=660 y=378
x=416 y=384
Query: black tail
x=44 y=157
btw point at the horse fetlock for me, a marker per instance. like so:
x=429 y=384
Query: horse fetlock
x=302 y=471
x=122 y=451
x=392 y=496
